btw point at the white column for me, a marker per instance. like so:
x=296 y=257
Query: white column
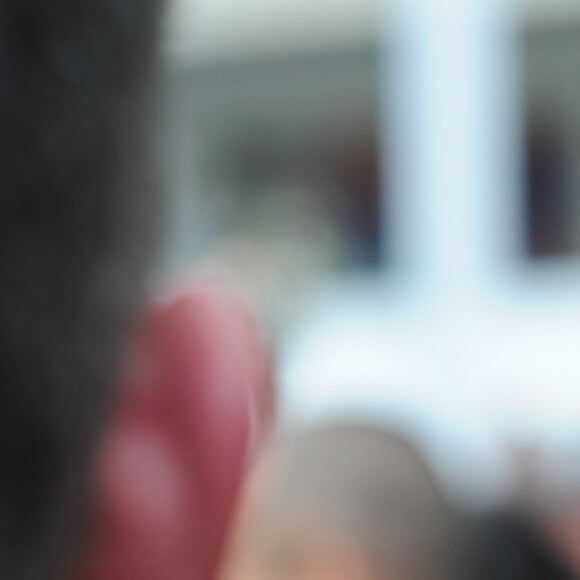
x=453 y=140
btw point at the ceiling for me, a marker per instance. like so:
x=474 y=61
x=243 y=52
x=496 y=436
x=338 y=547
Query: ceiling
x=217 y=30
x=205 y=30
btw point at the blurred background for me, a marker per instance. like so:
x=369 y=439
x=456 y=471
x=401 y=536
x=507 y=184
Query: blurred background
x=395 y=188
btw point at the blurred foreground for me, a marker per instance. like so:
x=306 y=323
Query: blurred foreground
x=394 y=190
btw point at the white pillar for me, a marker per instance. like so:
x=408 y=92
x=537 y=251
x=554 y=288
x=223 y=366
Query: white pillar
x=453 y=142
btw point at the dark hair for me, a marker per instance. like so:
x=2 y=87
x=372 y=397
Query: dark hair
x=76 y=207
x=511 y=546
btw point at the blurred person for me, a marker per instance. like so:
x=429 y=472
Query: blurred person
x=344 y=501
x=541 y=507
x=549 y=188
x=134 y=483
x=512 y=546
x=561 y=525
